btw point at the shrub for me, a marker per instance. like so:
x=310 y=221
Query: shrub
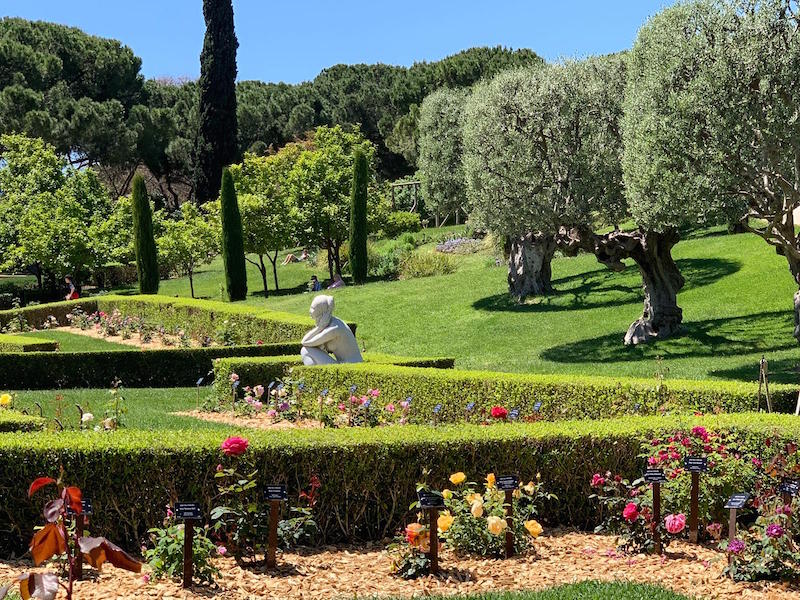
x=400 y=221
x=168 y=367
x=427 y=264
x=144 y=241
x=358 y=218
x=232 y=240
x=368 y=476
x=11 y=420
x=561 y=396
x=38 y=315
x=19 y=343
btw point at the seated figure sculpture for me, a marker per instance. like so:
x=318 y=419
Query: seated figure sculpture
x=330 y=336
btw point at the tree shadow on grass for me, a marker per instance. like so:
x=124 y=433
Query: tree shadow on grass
x=734 y=336
x=784 y=370
x=603 y=287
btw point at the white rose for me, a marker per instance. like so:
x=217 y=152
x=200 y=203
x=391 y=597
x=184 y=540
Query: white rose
x=86 y=417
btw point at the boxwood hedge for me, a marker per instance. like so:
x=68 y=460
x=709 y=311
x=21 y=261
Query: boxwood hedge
x=20 y=343
x=11 y=420
x=168 y=367
x=368 y=475
x=561 y=396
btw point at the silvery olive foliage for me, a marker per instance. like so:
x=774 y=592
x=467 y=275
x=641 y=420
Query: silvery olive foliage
x=542 y=147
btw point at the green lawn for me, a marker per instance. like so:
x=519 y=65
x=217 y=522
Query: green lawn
x=588 y=590
x=737 y=306
x=148 y=408
x=71 y=342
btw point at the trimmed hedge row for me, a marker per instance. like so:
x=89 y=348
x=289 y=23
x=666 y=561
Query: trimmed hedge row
x=36 y=316
x=561 y=396
x=168 y=367
x=368 y=475
x=11 y=420
x=20 y=343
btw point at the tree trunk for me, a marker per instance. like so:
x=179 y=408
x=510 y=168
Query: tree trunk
x=661 y=281
x=262 y=268
x=337 y=261
x=274 y=261
x=330 y=262
x=191 y=283
x=529 y=259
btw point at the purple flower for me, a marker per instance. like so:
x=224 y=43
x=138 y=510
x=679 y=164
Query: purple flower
x=774 y=531
x=736 y=547
x=283 y=406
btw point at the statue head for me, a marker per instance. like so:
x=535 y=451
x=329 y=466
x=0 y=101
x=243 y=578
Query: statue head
x=322 y=310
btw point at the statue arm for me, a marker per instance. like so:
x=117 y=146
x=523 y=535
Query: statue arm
x=318 y=338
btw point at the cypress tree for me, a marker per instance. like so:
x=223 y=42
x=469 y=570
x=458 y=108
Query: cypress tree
x=144 y=242
x=217 y=143
x=358 y=218
x=232 y=241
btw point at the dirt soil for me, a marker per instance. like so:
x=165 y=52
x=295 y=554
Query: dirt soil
x=155 y=344
x=364 y=572
x=255 y=421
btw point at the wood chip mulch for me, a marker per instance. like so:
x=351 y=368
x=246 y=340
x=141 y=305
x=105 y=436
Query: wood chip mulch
x=363 y=572
x=254 y=421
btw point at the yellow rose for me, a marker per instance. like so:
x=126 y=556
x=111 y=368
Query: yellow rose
x=496 y=525
x=457 y=478
x=530 y=488
x=445 y=521
x=473 y=498
x=533 y=528
x=477 y=509
x=490 y=480
x=5 y=399
x=447 y=494
x=516 y=494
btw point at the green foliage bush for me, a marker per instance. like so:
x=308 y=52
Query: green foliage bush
x=168 y=367
x=37 y=315
x=427 y=264
x=232 y=240
x=400 y=221
x=368 y=476
x=19 y=343
x=144 y=241
x=562 y=396
x=11 y=420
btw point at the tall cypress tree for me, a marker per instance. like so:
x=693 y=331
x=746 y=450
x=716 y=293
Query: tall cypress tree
x=232 y=241
x=358 y=217
x=217 y=143
x=144 y=242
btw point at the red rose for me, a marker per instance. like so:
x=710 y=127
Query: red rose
x=598 y=480
x=631 y=512
x=234 y=446
x=498 y=412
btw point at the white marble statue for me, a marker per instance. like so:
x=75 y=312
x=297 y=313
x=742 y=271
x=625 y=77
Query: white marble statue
x=330 y=336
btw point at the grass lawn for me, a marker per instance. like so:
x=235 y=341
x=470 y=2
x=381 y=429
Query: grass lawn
x=736 y=304
x=71 y=342
x=588 y=590
x=148 y=408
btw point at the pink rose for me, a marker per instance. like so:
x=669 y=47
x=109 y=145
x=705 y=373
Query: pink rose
x=234 y=377
x=374 y=393
x=222 y=550
x=675 y=523
x=597 y=480
x=389 y=407
x=234 y=446
x=630 y=512
x=259 y=391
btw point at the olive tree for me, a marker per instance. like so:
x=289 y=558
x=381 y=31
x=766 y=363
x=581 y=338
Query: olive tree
x=441 y=125
x=541 y=154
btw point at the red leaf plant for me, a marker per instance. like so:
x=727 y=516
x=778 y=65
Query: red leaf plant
x=54 y=540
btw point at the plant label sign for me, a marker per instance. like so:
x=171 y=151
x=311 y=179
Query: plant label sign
x=430 y=499
x=514 y=414
x=200 y=382
x=470 y=407
x=507 y=483
x=187 y=511
x=276 y=493
x=696 y=464
x=738 y=501
x=537 y=407
x=654 y=476
x=437 y=409
x=789 y=486
x=86 y=508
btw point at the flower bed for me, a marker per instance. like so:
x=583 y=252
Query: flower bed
x=471 y=395
x=368 y=476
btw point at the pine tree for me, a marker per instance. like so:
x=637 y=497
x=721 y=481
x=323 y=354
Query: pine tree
x=144 y=242
x=217 y=143
x=232 y=241
x=358 y=218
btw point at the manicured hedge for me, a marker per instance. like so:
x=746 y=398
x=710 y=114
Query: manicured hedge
x=561 y=396
x=11 y=420
x=20 y=343
x=264 y=370
x=169 y=367
x=36 y=316
x=368 y=475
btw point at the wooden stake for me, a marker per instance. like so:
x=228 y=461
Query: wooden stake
x=274 y=510
x=657 y=517
x=694 y=508
x=188 y=553
x=731 y=531
x=509 y=504
x=80 y=523
x=433 y=525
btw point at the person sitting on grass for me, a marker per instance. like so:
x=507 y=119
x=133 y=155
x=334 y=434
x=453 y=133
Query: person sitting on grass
x=291 y=258
x=315 y=285
x=337 y=282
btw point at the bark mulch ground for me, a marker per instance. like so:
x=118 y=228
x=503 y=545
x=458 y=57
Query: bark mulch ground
x=364 y=572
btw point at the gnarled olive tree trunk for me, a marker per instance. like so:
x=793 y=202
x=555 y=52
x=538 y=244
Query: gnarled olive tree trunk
x=661 y=278
x=529 y=258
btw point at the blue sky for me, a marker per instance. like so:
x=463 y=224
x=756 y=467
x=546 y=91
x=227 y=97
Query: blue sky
x=293 y=40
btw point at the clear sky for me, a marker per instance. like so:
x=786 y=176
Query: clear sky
x=292 y=41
